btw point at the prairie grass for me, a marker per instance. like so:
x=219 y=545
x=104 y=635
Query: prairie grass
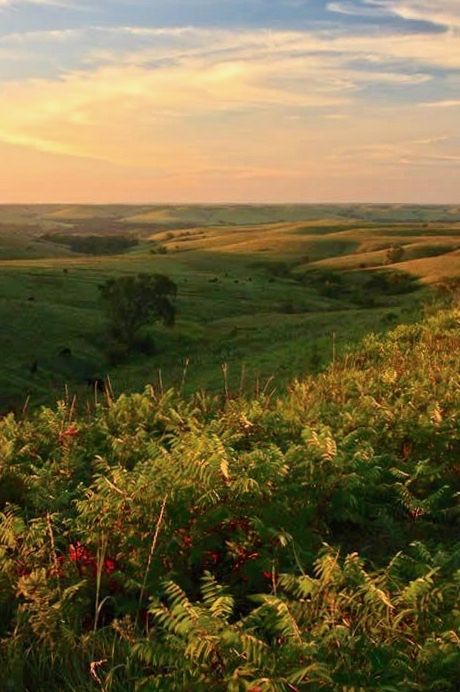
x=246 y=296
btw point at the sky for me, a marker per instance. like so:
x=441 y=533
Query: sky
x=177 y=101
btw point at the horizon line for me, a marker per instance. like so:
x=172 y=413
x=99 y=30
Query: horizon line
x=229 y=204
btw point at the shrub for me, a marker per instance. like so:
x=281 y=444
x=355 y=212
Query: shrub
x=391 y=283
x=394 y=254
x=302 y=542
x=94 y=244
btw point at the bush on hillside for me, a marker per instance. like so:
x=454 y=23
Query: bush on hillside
x=394 y=254
x=390 y=283
x=273 y=269
x=449 y=288
x=94 y=244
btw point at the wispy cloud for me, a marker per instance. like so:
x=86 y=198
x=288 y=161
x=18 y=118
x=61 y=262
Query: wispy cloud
x=214 y=74
x=452 y=103
x=357 y=9
x=328 y=112
x=50 y=3
x=443 y=12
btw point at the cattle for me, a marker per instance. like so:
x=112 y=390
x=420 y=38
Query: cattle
x=65 y=352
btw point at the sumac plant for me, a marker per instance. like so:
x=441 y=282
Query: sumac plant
x=305 y=542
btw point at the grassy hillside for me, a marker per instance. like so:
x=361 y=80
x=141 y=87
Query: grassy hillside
x=321 y=524
x=201 y=215
x=263 y=291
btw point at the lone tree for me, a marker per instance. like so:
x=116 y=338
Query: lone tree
x=131 y=302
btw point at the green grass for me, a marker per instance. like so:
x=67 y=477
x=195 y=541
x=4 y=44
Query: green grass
x=259 y=317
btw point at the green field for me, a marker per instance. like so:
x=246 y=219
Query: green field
x=256 y=294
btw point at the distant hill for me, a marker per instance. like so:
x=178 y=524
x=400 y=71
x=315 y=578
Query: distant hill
x=215 y=214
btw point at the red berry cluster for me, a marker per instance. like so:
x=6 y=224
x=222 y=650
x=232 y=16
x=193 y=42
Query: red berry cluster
x=82 y=557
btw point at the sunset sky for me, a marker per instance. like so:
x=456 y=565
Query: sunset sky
x=230 y=101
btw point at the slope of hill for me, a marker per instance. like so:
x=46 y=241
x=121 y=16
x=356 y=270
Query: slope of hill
x=264 y=290
x=322 y=526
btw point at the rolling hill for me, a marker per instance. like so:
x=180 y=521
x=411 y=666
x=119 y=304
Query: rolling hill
x=267 y=291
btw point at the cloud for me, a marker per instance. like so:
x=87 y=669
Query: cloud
x=50 y=3
x=442 y=12
x=133 y=114
x=453 y=103
x=244 y=114
x=446 y=12
x=409 y=154
x=353 y=9
x=123 y=107
x=437 y=50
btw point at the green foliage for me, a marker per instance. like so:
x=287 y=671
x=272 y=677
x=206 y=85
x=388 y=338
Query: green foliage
x=395 y=254
x=160 y=250
x=94 y=244
x=133 y=301
x=305 y=542
x=391 y=283
x=449 y=289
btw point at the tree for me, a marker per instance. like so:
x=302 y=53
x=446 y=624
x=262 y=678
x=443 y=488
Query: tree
x=131 y=302
x=395 y=253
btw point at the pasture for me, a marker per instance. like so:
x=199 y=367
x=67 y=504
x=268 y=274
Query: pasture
x=263 y=292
